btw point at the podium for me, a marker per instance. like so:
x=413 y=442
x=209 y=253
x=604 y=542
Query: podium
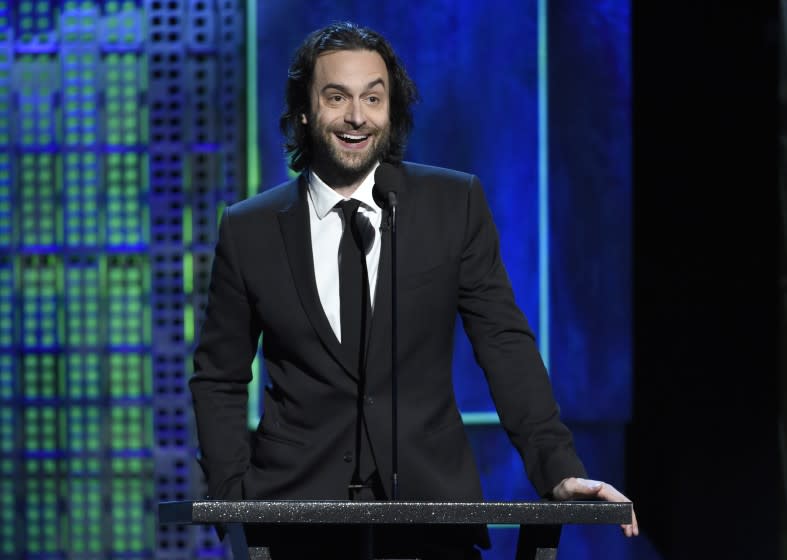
x=540 y=522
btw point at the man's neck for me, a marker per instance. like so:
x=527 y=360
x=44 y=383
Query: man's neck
x=345 y=184
x=348 y=191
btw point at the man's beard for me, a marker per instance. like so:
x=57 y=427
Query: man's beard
x=339 y=167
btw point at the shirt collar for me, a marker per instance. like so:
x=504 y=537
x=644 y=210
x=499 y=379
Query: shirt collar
x=325 y=198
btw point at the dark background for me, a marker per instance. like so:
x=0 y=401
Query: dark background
x=703 y=450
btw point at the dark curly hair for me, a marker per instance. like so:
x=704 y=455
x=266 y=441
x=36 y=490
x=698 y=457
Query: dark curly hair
x=343 y=36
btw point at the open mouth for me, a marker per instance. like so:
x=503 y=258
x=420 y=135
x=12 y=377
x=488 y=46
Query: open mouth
x=352 y=139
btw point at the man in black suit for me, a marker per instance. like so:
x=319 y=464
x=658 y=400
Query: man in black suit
x=284 y=268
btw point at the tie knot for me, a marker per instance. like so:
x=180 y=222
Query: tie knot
x=357 y=226
x=349 y=208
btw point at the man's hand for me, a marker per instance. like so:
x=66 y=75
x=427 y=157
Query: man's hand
x=582 y=488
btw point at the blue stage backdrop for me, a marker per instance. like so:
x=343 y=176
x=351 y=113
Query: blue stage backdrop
x=534 y=98
x=126 y=125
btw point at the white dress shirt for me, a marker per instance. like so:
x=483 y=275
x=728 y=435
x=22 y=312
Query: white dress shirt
x=326 y=224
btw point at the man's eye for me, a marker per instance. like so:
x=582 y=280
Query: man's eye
x=336 y=98
x=373 y=99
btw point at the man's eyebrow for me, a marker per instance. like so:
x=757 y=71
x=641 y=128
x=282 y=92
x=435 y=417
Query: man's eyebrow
x=340 y=87
x=343 y=89
x=378 y=81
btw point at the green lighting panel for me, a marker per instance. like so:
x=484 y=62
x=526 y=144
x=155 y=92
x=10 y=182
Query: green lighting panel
x=79 y=23
x=83 y=377
x=8 y=509
x=129 y=376
x=6 y=59
x=131 y=489
x=39 y=376
x=40 y=278
x=6 y=304
x=38 y=189
x=82 y=433
x=126 y=190
x=38 y=81
x=37 y=19
x=8 y=430
x=84 y=514
x=40 y=429
x=128 y=290
x=82 y=211
x=42 y=512
x=122 y=23
x=7 y=378
x=123 y=115
x=6 y=215
x=82 y=302
x=79 y=109
x=88 y=466
x=130 y=427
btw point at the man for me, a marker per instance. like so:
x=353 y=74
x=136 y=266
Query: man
x=282 y=267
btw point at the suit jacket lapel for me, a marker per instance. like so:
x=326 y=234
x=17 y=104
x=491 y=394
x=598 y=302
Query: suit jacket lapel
x=294 y=224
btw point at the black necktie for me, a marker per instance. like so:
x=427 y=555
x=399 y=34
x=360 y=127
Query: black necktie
x=353 y=281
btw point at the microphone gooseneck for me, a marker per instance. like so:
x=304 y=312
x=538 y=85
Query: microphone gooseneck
x=388 y=180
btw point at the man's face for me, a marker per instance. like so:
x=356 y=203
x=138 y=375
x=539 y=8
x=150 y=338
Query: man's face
x=349 y=120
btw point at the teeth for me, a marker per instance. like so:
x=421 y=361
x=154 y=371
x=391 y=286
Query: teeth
x=353 y=137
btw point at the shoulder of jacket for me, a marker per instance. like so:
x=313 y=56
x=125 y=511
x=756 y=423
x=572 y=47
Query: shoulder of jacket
x=273 y=200
x=421 y=172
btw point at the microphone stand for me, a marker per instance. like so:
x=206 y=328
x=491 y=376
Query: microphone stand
x=394 y=365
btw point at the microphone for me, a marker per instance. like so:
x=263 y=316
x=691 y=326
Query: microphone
x=388 y=180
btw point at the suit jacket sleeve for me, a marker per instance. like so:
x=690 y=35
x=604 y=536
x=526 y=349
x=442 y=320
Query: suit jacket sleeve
x=505 y=348
x=222 y=370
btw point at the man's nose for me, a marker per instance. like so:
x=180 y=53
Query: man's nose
x=355 y=115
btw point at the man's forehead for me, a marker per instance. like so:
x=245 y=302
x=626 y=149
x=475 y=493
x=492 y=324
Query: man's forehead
x=351 y=65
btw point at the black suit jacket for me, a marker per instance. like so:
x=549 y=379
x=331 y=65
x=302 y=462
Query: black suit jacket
x=449 y=262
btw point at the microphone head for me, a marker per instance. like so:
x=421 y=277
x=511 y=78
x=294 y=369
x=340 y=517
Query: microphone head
x=388 y=180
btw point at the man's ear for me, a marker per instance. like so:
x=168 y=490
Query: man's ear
x=303 y=119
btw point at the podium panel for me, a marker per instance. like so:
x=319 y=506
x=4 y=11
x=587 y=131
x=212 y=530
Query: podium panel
x=539 y=522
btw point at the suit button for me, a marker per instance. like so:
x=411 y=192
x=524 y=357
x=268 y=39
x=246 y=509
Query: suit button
x=348 y=457
x=369 y=401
